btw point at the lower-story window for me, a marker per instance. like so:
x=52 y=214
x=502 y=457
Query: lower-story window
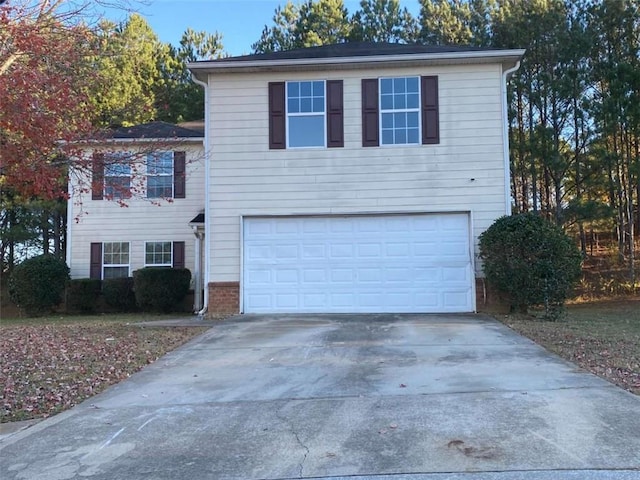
x=158 y=254
x=115 y=259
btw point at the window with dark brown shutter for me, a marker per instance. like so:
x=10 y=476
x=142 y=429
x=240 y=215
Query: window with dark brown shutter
x=370 y=115
x=97 y=176
x=430 y=114
x=277 y=120
x=95 y=261
x=179 y=174
x=178 y=254
x=335 y=114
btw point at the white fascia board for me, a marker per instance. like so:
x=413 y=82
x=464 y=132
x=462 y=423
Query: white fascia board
x=509 y=57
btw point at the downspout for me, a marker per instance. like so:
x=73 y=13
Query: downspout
x=69 y=217
x=207 y=216
x=505 y=137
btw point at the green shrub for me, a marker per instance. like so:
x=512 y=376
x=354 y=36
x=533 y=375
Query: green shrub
x=118 y=294
x=82 y=295
x=37 y=284
x=531 y=260
x=161 y=289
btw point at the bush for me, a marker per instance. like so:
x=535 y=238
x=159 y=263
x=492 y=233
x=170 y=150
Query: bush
x=118 y=294
x=37 y=284
x=161 y=289
x=82 y=295
x=531 y=260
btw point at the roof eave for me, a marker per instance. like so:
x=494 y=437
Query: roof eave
x=506 y=57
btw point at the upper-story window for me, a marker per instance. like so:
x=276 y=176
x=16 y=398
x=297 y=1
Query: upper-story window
x=117 y=177
x=399 y=111
x=112 y=174
x=160 y=175
x=306 y=114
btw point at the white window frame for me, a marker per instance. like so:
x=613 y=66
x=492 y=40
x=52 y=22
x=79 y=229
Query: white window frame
x=170 y=264
x=382 y=111
x=288 y=114
x=106 y=265
x=112 y=159
x=165 y=175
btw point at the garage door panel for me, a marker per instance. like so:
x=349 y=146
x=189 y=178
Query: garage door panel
x=358 y=264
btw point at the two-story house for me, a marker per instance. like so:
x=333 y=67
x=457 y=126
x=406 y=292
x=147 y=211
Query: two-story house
x=351 y=178
x=140 y=205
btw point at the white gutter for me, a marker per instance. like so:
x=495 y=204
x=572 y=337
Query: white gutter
x=207 y=216
x=505 y=138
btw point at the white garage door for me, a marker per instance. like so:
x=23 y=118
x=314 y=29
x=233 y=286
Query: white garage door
x=391 y=263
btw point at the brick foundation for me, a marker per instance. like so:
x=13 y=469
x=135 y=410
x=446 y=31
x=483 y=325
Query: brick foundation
x=224 y=298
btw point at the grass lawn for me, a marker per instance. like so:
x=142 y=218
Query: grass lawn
x=602 y=337
x=51 y=364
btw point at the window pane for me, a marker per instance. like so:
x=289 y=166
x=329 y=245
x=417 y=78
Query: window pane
x=160 y=187
x=386 y=85
x=318 y=104
x=399 y=85
x=387 y=137
x=116 y=272
x=293 y=89
x=387 y=120
x=318 y=89
x=400 y=120
x=306 y=131
x=386 y=102
x=412 y=100
x=305 y=105
x=412 y=136
x=305 y=89
x=293 y=105
x=412 y=119
x=412 y=85
x=401 y=136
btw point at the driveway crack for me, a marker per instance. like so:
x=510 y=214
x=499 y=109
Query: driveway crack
x=280 y=416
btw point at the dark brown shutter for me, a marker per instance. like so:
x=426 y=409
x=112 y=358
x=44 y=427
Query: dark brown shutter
x=95 y=265
x=277 y=120
x=335 y=115
x=430 y=120
x=370 y=116
x=97 y=176
x=179 y=174
x=178 y=254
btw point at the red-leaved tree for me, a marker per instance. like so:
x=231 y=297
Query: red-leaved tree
x=45 y=75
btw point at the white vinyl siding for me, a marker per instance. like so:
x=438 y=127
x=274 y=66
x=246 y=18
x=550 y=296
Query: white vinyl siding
x=463 y=173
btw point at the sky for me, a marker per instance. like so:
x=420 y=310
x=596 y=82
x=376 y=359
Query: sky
x=239 y=21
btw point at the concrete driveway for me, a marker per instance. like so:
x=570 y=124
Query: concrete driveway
x=364 y=396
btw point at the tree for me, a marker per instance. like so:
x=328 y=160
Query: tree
x=44 y=84
x=383 y=21
x=312 y=23
x=178 y=98
x=128 y=74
